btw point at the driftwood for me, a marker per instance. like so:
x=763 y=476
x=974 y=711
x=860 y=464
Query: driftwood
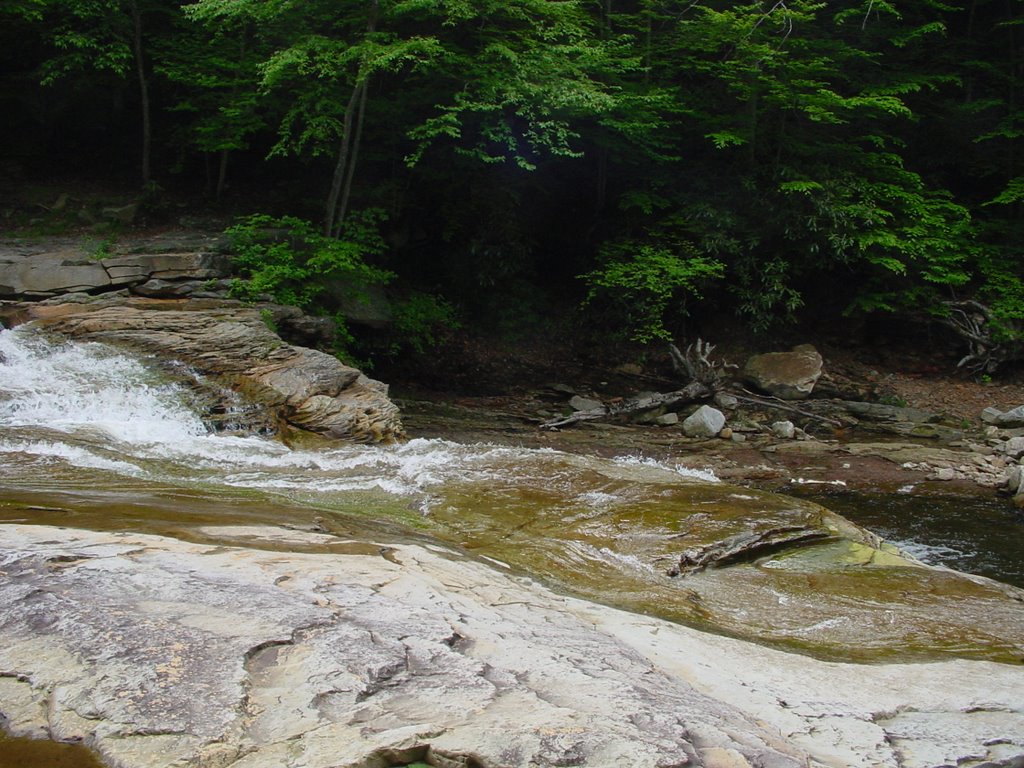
x=694 y=365
x=692 y=391
x=743 y=547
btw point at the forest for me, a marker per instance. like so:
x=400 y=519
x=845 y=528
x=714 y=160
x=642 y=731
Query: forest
x=647 y=162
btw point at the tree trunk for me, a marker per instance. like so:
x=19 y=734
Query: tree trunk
x=347 y=149
x=140 y=69
x=346 y=192
x=694 y=366
x=331 y=209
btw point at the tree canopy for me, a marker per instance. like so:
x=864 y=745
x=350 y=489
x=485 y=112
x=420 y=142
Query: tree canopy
x=653 y=158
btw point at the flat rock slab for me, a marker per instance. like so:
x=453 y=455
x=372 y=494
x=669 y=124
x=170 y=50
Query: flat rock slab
x=159 y=652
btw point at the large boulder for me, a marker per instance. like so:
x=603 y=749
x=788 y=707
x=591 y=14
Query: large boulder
x=231 y=343
x=786 y=375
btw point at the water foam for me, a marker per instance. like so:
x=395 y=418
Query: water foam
x=75 y=387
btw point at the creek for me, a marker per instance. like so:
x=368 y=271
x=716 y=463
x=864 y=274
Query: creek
x=94 y=438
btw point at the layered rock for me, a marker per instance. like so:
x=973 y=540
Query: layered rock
x=231 y=343
x=174 y=264
x=156 y=651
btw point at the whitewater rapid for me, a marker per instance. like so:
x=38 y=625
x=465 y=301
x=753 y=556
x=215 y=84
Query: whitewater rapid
x=91 y=406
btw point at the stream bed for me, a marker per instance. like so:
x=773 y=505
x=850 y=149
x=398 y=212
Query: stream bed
x=93 y=438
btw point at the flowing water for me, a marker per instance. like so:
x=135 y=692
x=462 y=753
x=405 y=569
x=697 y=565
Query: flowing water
x=93 y=438
x=90 y=437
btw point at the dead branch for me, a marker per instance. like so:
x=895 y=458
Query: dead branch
x=973 y=322
x=696 y=365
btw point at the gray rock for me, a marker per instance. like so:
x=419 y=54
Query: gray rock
x=667 y=419
x=890 y=413
x=1012 y=418
x=578 y=403
x=991 y=415
x=786 y=375
x=1014 y=447
x=725 y=401
x=51 y=274
x=785 y=430
x=1013 y=480
x=138 y=268
x=56 y=267
x=122 y=214
x=704 y=422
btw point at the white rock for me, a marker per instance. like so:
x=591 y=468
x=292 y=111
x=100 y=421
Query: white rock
x=784 y=429
x=704 y=422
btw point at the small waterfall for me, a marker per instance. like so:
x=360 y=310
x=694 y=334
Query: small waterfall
x=89 y=388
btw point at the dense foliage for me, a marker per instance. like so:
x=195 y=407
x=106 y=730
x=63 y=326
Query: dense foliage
x=651 y=158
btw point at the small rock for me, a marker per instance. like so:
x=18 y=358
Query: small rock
x=578 y=403
x=704 y=422
x=784 y=430
x=738 y=437
x=991 y=415
x=667 y=419
x=725 y=401
x=991 y=431
x=1012 y=480
x=726 y=433
x=945 y=473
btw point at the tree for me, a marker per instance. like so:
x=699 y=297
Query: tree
x=105 y=36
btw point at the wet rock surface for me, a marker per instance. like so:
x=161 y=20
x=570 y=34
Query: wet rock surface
x=156 y=651
x=231 y=343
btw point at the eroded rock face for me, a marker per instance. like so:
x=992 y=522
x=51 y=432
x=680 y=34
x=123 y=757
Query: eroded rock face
x=231 y=342
x=157 y=651
x=786 y=375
